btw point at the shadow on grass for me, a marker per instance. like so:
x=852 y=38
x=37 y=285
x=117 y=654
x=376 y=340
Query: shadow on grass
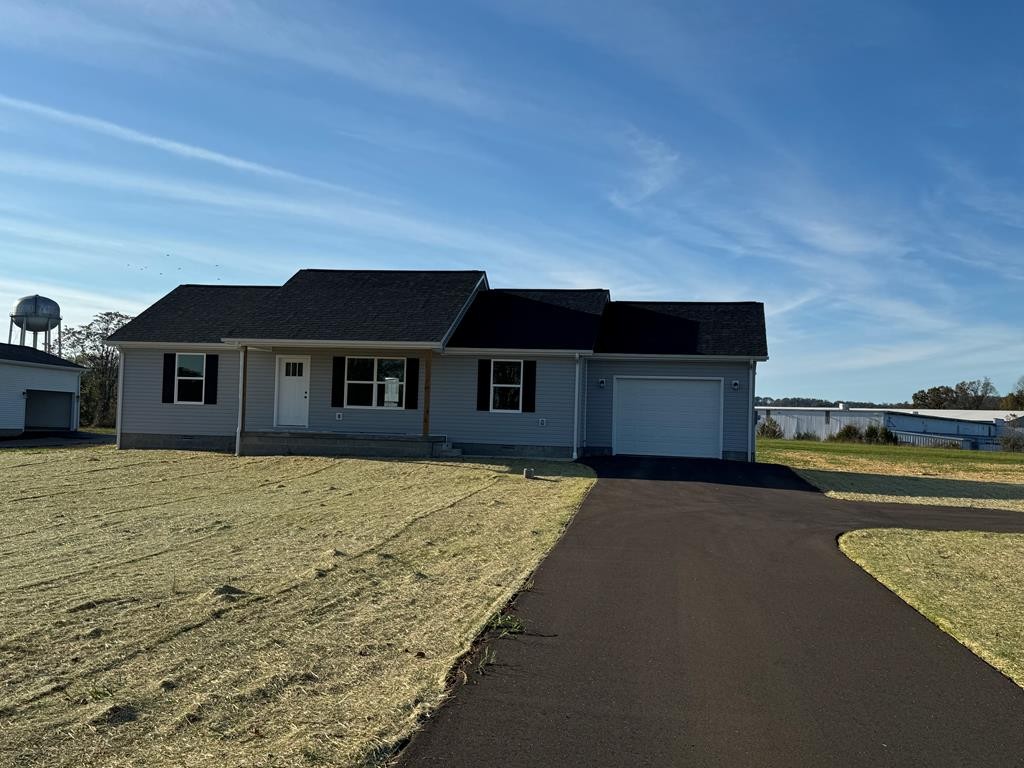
x=912 y=487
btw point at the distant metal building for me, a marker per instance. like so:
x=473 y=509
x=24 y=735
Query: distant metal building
x=970 y=430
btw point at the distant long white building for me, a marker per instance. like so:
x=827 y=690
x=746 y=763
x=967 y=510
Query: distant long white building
x=970 y=430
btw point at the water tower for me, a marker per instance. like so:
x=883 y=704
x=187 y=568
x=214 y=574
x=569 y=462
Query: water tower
x=35 y=315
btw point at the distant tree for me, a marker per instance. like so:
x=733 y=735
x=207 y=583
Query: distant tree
x=968 y=395
x=934 y=397
x=84 y=345
x=1015 y=400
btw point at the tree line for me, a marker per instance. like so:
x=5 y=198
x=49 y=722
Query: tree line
x=974 y=394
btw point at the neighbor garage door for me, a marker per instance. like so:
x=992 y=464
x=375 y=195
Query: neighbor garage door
x=48 y=410
x=667 y=417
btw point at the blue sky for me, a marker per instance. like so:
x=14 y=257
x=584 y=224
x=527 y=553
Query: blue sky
x=857 y=167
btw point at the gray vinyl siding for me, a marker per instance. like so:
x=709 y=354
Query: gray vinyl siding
x=453 y=410
x=16 y=379
x=142 y=411
x=736 y=405
x=261 y=390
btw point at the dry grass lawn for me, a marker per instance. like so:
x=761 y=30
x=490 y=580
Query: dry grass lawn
x=188 y=609
x=903 y=474
x=970 y=584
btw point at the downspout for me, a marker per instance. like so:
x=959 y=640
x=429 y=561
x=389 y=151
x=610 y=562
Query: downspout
x=120 y=392
x=750 y=412
x=243 y=366
x=576 y=411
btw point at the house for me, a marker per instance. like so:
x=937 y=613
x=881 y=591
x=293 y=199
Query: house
x=38 y=391
x=967 y=429
x=416 y=363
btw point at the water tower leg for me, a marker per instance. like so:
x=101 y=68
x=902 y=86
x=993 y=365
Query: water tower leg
x=35 y=339
x=23 y=337
x=10 y=331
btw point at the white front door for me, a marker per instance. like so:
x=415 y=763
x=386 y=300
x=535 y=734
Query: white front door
x=292 y=392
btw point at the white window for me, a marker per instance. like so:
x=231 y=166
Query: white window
x=375 y=382
x=507 y=385
x=189 y=377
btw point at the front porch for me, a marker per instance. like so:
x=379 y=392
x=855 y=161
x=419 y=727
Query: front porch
x=305 y=443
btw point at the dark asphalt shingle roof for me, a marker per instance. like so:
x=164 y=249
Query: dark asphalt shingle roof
x=684 y=328
x=364 y=305
x=315 y=304
x=532 y=319
x=20 y=354
x=420 y=306
x=196 y=314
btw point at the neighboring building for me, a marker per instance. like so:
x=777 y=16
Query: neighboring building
x=38 y=391
x=921 y=426
x=423 y=362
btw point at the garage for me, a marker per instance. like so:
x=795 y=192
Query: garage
x=667 y=416
x=47 y=410
x=38 y=391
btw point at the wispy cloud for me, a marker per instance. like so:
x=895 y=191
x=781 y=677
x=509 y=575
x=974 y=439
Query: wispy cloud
x=180 y=149
x=654 y=166
x=340 y=42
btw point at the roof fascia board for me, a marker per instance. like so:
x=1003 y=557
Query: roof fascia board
x=334 y=343
x=166 y=344
x=683 y=358
x=49 y=366
x=495 y=351
x=465 y=308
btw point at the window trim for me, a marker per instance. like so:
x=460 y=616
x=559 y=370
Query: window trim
x=177 y=378
x=375 y=407
x=518 y=386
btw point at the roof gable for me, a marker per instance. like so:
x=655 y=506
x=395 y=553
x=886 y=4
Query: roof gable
x=733 y=329
x=532 y=319
x=314 y=305
x=364 y=305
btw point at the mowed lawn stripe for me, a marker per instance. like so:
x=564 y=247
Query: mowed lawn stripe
x=205 y=610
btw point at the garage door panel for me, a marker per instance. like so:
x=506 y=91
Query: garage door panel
x=668 y=417
x=45 y=409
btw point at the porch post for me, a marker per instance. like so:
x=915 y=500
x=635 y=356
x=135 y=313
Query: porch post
x=427 y=360
x=243 y=371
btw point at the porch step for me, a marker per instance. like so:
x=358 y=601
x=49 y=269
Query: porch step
x=447 y=452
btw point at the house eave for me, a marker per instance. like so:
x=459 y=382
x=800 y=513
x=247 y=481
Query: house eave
x=166 y=344
x=48 y=366
x=332 y=343
x=519 y=352
x=682 y=358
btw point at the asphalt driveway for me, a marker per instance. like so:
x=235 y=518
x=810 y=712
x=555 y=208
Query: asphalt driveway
x=699 y=613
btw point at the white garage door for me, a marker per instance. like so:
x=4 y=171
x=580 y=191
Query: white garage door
x=667 y=417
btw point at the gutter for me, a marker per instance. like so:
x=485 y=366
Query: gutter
x=120 y=396
x=576 y=412
x=750 y=411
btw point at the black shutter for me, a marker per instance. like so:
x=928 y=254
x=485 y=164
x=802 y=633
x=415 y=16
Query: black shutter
x=338 y=383
x=529 y=386
x=412 y=383
x=168 y=394
x=483 y=385
x=210 y=384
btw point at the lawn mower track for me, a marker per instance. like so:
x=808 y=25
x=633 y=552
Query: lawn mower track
x=197 y=609
x=700 y=613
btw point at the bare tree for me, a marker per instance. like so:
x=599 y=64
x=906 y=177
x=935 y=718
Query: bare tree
x=84 y=345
